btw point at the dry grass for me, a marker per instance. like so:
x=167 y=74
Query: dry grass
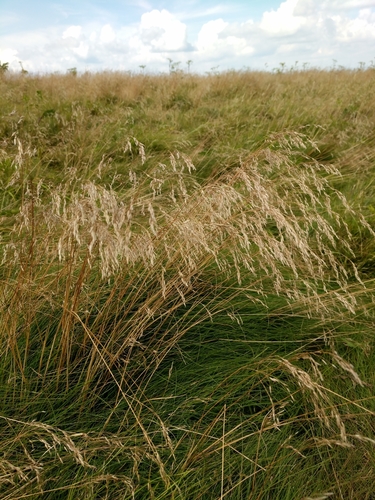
x=122 y=259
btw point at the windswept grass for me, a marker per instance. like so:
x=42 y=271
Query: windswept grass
x=187 y=286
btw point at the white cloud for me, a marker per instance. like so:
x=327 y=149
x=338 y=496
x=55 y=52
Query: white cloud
x=107 y=34
x=82 y=50
x=311 y=31
x=93 y=36
x=209 y=34
x=347 y=4
x=163 y=32
x=72 y=32
x=311 y=7
x=283 y=20
x=9 y=55
x=218 y=45
x=360 y=28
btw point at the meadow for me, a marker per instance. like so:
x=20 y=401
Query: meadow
x=187 y=285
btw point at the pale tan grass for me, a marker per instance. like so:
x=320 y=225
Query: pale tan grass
x=263 y=218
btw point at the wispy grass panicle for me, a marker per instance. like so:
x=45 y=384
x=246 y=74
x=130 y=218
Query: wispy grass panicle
x=263 y=218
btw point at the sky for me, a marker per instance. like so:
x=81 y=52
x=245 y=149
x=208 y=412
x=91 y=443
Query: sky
x=198 y=36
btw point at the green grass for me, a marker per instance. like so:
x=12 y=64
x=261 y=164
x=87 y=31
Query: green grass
x=187 y=278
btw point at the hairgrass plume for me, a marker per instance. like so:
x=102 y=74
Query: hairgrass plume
x=166 y=332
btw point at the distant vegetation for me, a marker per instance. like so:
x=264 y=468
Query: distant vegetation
x=187 y=285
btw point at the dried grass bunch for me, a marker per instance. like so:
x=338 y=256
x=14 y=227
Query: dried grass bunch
x=267 y=221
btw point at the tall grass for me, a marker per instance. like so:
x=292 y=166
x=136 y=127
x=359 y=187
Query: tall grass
x=186 y=286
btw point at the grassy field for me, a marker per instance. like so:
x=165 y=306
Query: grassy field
x=187 y=286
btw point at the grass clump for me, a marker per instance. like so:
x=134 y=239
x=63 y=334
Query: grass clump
x=186 y=287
